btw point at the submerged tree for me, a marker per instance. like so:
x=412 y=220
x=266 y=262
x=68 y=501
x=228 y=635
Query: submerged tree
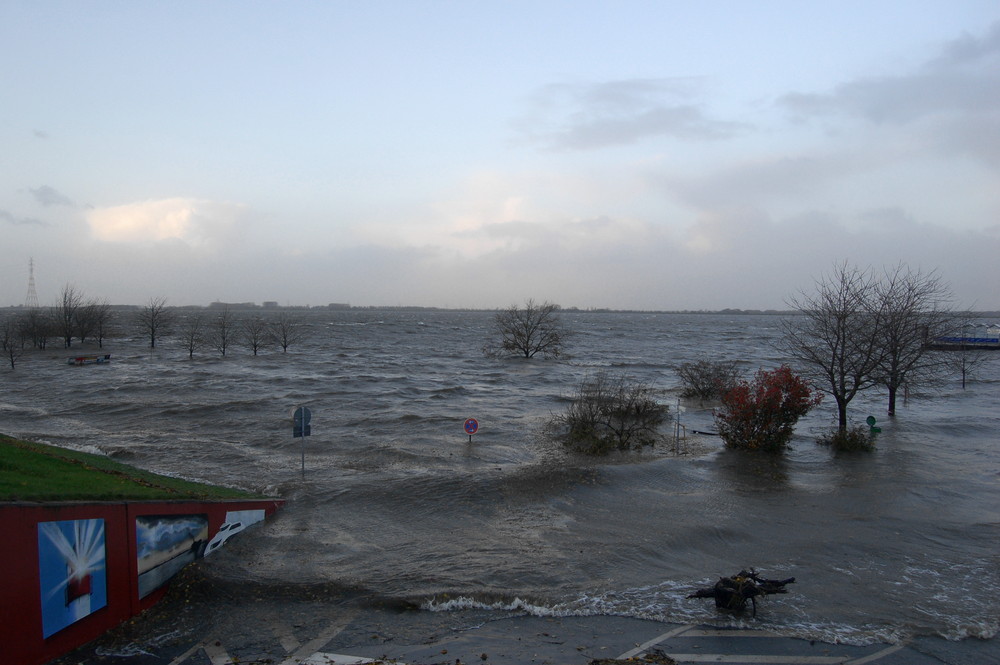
x=527 y=331
x=102 y=316
x=65 y=313
x=11 y=339
x=222 y=330
x=286 y=330
x=153 y=319
x=838 y=335
x=611 y=412
x=193 y=333
x=708 y=379
x=967 y=360
x=915 y=310
x=38 y=325
x=761 y=414
x=255 y=332
x=861 y=329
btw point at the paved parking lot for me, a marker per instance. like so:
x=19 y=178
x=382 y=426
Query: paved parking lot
x=345 y=635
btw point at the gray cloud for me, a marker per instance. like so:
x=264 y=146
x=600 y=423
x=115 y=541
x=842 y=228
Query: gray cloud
x=752 y=260
x=584 y=117
x=10 y=218
x=902 y=99
x=978 y=136
x=964 y=78
x=685 y=122
x=884 y=129
x=509 y=230
x=968 y=48
x=778 y=178
x=49 y=196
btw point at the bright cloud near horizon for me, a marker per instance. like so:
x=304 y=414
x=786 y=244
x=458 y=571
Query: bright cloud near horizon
x=641 y=155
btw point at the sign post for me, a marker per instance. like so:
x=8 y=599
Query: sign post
x=301 y=416
x=471 y=427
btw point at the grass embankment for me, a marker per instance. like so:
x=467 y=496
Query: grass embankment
x=37 y=472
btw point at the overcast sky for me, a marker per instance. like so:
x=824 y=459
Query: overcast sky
x=652 y=155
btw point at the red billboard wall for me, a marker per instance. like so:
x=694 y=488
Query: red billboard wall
x=75 y=570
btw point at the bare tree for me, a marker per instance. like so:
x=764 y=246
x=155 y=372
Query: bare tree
x=193 y=333
x=611 y=412
x=11 y=341
x=286 y=330
x=222 y=333
x=968 y=360
x=103 y=317
x=708 y=379
x=153 y=319
x=838 y=335
x=915 y=310
x=86 y=320
x=961 y=351
x=65 y=313
x=255 y=333
x=38 y=326
x=527 y=331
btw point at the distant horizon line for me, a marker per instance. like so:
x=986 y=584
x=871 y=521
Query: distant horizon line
x=269 y=306
x=341 y=307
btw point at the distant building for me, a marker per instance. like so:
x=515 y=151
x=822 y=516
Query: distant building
x=338 y=305
x=232 y=305
x=269 y=304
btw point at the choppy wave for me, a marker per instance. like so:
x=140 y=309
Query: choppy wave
x=395 y=499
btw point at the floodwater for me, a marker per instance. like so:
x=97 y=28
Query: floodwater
x=396 y=501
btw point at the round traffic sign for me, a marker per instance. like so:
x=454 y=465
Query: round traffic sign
x=471 y=426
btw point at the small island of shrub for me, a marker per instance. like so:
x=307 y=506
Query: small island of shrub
x=707 y=379
x=611 y=412
x=761 y=414
x=852 y=439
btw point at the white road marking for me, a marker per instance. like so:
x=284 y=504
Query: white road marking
x=187 y=654
x=281 y=630
x=312 y=647
x=770 y=660
x=691 y=631
x=337 y=659
x=216 y=653
x=875 y=656
x=708 y=632
x=653 y=642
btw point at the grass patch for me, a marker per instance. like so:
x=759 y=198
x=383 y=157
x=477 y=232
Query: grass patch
x=32 y=471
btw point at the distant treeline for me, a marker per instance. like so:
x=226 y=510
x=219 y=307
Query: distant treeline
x=417 y=308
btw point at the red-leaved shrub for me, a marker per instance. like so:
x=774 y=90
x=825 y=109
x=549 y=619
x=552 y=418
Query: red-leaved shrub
x=760 y=414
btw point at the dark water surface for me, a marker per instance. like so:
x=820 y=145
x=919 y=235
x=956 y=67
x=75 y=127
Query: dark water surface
x=395 y=501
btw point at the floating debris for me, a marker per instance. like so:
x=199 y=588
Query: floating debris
x=732 y=593
x=654 y=657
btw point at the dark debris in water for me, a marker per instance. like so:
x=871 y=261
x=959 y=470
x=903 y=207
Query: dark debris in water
x=732 y=593
x=654 y=657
